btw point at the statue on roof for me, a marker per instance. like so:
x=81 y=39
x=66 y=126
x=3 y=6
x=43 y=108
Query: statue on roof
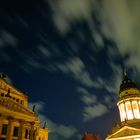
x=2 y=75
x=44 y=126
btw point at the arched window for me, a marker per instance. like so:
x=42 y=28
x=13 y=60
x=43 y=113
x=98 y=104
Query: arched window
x=123 y=112
x=135 y=109
x=129 y=111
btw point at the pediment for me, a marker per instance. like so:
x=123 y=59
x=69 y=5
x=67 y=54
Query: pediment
x=125 y=131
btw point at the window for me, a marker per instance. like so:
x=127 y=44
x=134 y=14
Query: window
x=22 y=102
x=122 y=111
x=135 y=109
x=2 y=94
x=17 y=100
x=26 y=133
x=129 y=111
x=15 y=133
x=4 y=129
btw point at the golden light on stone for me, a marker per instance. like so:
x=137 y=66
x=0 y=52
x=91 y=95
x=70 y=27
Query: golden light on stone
x=17 y=121
x=129 y=109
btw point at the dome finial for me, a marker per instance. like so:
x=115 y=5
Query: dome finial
x=124 y=72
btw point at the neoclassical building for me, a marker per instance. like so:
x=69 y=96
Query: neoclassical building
x=17 y=121
x=129 y=108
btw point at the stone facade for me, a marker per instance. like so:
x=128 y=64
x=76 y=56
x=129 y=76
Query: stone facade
x=17 y=121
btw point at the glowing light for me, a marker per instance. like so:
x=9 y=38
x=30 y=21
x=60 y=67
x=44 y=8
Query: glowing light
x=123 y=113
x=136 y=109
x=129 y=111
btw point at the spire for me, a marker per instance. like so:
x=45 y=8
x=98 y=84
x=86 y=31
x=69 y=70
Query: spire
x=127 y=82
x=124 y=72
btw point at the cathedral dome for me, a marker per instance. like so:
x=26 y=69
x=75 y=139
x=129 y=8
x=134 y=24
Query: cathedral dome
x=127 y=84
x=128 y=88
x=129 y=100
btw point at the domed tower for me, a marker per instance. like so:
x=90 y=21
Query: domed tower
x=129 y=108
x=129 y=101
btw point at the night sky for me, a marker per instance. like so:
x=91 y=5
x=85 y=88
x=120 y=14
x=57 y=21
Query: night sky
x=68 y=56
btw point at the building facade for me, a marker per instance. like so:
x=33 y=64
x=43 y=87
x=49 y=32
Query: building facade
x=17 y=121
x=129 y=108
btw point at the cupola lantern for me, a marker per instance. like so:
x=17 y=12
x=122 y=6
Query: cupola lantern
x=129 y=100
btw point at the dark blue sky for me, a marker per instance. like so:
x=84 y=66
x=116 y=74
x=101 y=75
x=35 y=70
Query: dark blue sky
x=68 y=56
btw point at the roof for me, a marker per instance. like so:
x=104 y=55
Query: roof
x=7 y=86
x=90 y=137
x=126 y=132
x=127 y=83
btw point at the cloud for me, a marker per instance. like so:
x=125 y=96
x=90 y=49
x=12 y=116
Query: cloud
x=91 y=112
x=57 y=131
x=112 y=84
x=77 y=69
x=86 y=97
x=7 y=38
x=93 y=108
x=39 y=58
x=98 y=38
x=39 y=106
x=44 y=51
x=122 y=26
x=66 y=12
x=31 y=61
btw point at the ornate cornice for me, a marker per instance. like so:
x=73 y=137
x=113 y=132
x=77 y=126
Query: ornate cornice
x=14 y=106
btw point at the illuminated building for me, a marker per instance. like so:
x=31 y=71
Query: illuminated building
x=129 y=108
x=89 y=136
x=17 y=121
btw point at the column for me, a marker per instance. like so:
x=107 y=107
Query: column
x=10 y=128
x=0 y=129
x=21 y=130
x=125 y=112
x=132 y=109
x=0 y=124
x=32 y=131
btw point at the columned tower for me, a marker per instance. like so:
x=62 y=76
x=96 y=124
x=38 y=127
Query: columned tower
x=129 y=101
x=129 y=108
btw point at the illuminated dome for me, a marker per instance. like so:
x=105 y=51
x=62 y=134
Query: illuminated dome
x=129 y=100
x=127 y=83
x=129 y=109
